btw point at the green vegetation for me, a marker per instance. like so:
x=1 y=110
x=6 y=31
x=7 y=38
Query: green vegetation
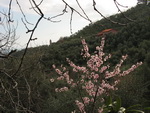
x=36 y=93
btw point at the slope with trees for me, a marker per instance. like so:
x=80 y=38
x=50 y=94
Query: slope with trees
x=34 y=92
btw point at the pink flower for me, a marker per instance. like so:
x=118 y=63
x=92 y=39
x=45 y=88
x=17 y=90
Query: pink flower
x=54 y=66
x=92 y=100
x=60 y=78
x=64 y=68
x=73 y=85
x=133 y=67
x=51 y=80
x=100 y=110
x=93 y=78
x=58 y=71
x=100 y=91
x=73 y=111
x=86 y=100
x=80 y=106
x=96 y=76
x=124 y=57
x=65 y=88
x=56 y=90
x=82 y=81
x=107 y=85
x=103 y=69
x=69 y=82
x=85 y=49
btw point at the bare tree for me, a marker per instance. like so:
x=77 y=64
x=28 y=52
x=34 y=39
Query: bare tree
x=7 y=36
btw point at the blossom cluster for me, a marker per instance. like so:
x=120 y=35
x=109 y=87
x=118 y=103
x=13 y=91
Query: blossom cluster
x=93 y=78
x=61 y=89
x=80 y=106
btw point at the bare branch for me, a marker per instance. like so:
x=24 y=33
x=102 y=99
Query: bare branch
x=7 y=55
x=40 y=3
x=83 y=11
x=71 y=21
x=76 y=11
x=63 y=12
x=29 y=92
x=94 y=6
x=32 y=33
x=9 y=12
x=8 y=36
x=116 y=3
x=23 y=13
x=15 y=82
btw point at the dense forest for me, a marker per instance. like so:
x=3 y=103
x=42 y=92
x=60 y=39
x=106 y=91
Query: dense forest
x=35 y=93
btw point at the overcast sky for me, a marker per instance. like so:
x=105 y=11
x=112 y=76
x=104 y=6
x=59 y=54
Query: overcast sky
x=49 y=30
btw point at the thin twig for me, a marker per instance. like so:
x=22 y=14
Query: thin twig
x=23 y=13
x=76 y=11
x=116 y=3
x=30 y=39
x=71 y=21
x=63 y=12
x=15 y=82
x=29 y=92
x=95 y=98
x=9 y=12
x=40 y=3
x=7 y=55
x=83 y=11
x=94 y=6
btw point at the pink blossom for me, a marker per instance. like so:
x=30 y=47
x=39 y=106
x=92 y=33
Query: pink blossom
x=69 y=82
x=60 y=78
x=56 y=90
x=93 y=78
x=133 y=67
x=107 y=57
x=86 y=100
x=107 y=85
x=52 y=80
x=94 y=62
x=96 y=76
x=82 y=81
x=54 y=66
x=73 y=85
x=73 y=111
x=103 y=69
x=64 y=68
x=58 y=71
x=100 y=91
x=124 y=57
x=61 y=89
x=80 y=106
x=85 y=49
x=92 y=100
x=76 y=68
x=100 y=110
x=82 y=76
x=66 y=76
x=97 y=47
x=65 y=88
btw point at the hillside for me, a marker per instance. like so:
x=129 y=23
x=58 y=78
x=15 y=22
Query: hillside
x=132 y=39
x=37 y=93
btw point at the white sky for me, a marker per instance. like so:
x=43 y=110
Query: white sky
x=48 y=30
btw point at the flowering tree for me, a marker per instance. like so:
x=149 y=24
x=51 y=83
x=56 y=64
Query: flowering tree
x=95 y=81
